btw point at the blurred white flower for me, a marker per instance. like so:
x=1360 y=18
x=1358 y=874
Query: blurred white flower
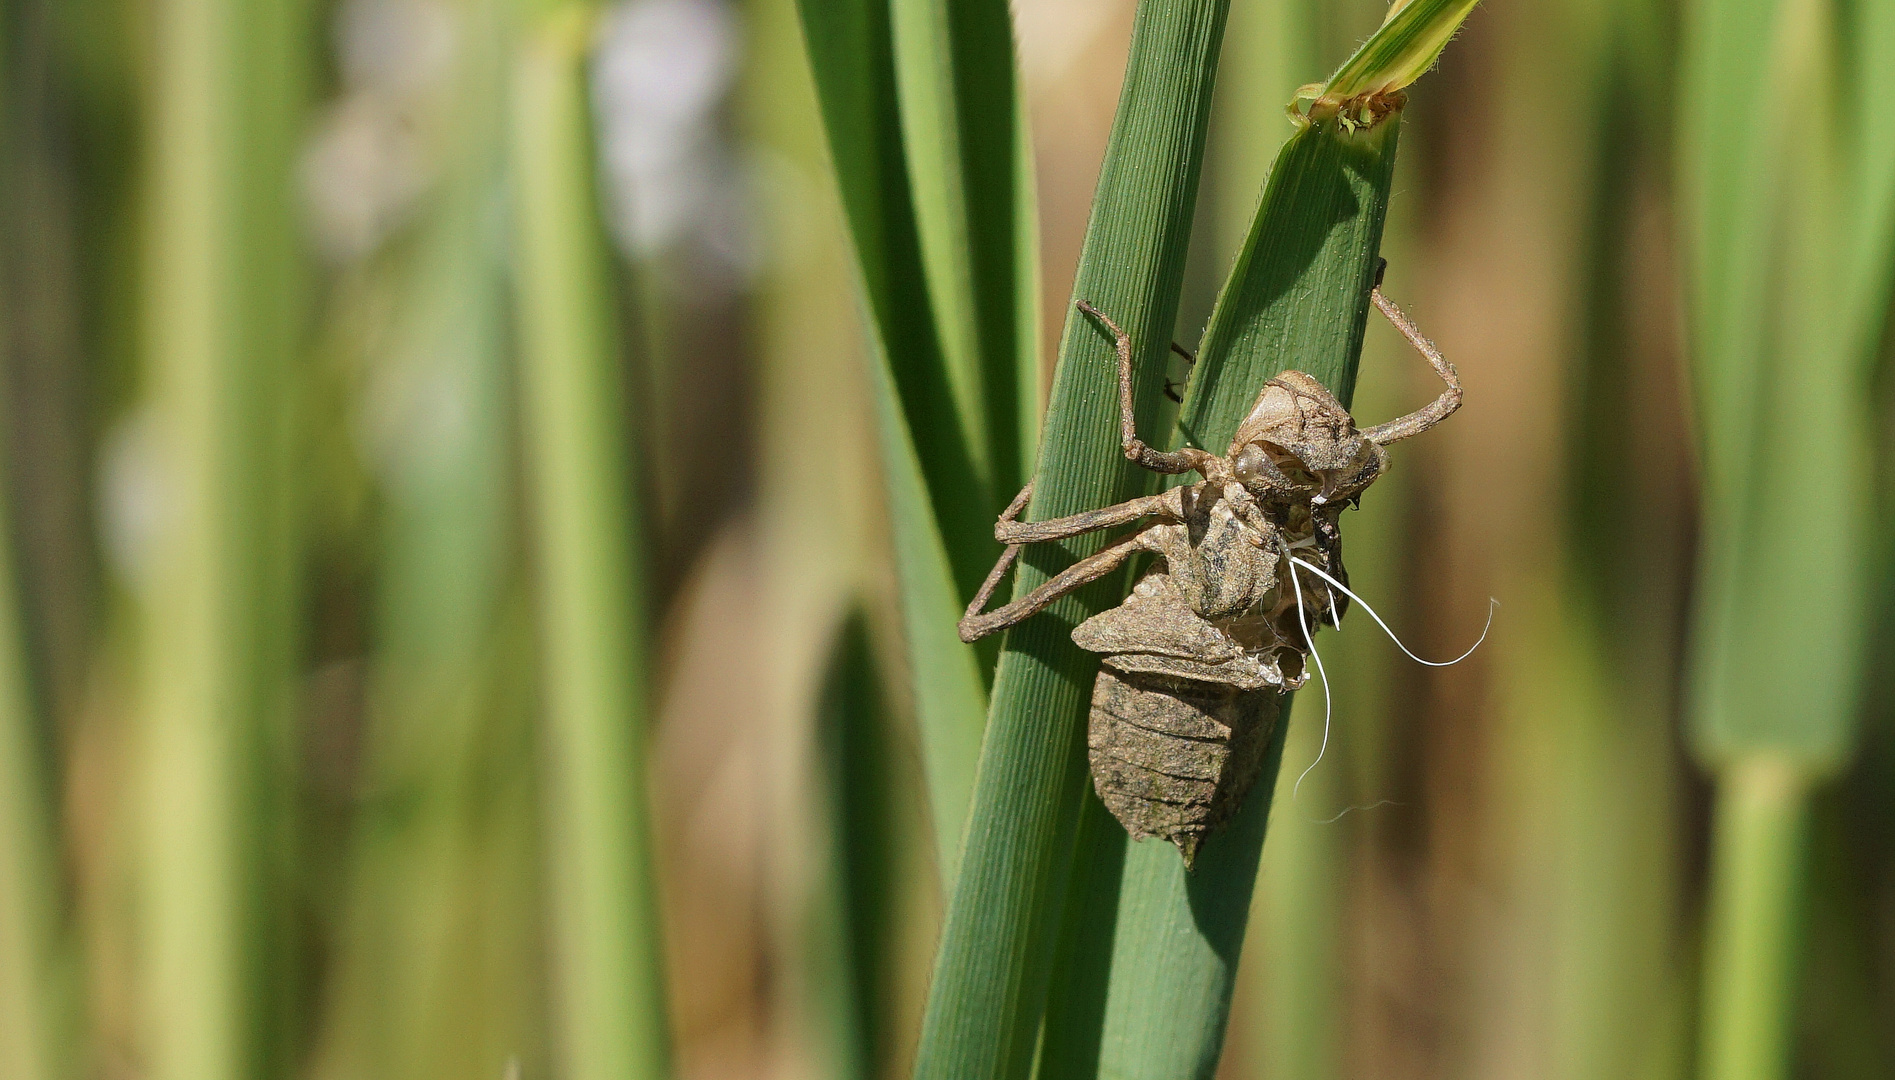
x=366 y=167
x=134 y=495
x=660 y=76
x=361 y=174
x=419 y=419
x=401 y=48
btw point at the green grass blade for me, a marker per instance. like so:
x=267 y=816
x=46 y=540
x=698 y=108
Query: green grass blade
x=1733 y=118
x=606 y=936
x=950 y=701
x=1029 y=395
x=1773 y=377
x=957 y=90
x=1791 y=229
x=1299 y=294
x=442 y=858
x=220 y=327
x=991 y=973
x=1296 y=1019
x=31 y=984
x=1302 y=904
x=940 y=500
x=1788 y=197
x=925 y=64
x=1408 y=43
x=854 y=932
x=1074 y=1017
x=851 y=55
x=1298 y=297
x=1866 y=44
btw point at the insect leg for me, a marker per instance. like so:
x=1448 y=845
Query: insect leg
x=1012 y=513
x=1009 y=531
x=986 y=593
x=974 y=625
x=1008 y=518
x=1434 y=412
x=1177 y=461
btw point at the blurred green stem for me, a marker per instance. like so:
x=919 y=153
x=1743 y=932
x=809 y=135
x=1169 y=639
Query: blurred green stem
x=850 y=931
x=1750 y=972
x=1300 y=906
x=936 y=455
x=441 y=933
x=221 y=324
x=30 y=1032
x=1786 y=130
x=28 y=886
x=606 y=937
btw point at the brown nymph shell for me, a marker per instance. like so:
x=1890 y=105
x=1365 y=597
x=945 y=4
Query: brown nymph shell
x=1184 y=705
x=1175 y=757
x=1195 y=663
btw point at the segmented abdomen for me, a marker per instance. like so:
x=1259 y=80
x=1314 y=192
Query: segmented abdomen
x=1175 y=757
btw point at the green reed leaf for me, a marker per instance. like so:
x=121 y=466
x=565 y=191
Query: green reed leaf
x=991 y=973
x=1298 y=297
x=220 y=330
x=1408 y=43
x=606 y=933
x=941 y=247
x=1788 y=196
x=1785 y=136
x=31 y=983
x=969 y=173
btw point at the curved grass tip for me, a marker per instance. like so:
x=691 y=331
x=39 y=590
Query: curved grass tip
x=1368 y=87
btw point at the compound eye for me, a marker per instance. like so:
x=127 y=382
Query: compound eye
x=1264 y=466
x=1364 y=466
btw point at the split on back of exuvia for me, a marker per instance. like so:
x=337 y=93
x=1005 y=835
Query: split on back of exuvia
x=1248 y=564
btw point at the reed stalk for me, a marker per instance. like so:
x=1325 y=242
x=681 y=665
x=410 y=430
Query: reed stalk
x=30 y=931
x=1298 y=297
x=32 y=984
x=1789 y=197
x=608 y=991
x=926 y=140
x=1750 y=970
x=221 y=321
x=438 y=937
x=992 y=972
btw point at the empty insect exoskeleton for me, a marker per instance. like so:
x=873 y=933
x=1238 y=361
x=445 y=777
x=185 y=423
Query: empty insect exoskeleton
x=1197 y=657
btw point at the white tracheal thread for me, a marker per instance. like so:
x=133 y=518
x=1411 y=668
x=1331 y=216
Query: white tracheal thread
x=1310 y=640
x=1491 y=605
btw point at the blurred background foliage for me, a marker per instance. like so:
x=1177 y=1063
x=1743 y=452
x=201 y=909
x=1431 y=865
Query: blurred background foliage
x=286 y=787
